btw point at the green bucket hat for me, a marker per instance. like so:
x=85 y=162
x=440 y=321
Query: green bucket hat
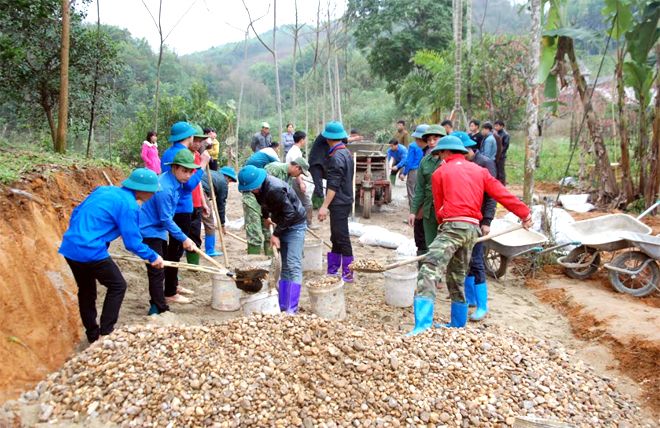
x=142 y=180
x=199 y=132
x=435 y=130
x=450 y=143
x=185 y=159
x=302 y=163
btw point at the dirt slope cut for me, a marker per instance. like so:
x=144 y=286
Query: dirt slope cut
x=39 y=322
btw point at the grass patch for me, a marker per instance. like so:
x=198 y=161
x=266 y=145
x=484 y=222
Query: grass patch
x=555 y=152
x=15 y=163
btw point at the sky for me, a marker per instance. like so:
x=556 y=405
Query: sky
x=204 y=23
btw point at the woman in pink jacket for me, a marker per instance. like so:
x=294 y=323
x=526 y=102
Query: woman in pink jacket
x=150 y=152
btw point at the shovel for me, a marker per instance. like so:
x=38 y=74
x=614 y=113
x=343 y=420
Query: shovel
x=315 y=235
x=377 y=268
x=276 y=264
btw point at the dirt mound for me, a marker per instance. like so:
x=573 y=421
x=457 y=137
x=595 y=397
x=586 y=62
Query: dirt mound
x=39 y=323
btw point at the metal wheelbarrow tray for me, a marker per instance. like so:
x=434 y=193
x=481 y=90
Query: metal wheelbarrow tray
x=605 y=233
x=500 y=250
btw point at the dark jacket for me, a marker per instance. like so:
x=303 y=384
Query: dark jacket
x=259 y=141
x=221 y=191
x=504 y=139
x=280 y=202
x=477 y=138
x=318 y=155
x=489 y=205
x=340 y=176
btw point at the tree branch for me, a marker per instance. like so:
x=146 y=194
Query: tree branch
x=251 y=25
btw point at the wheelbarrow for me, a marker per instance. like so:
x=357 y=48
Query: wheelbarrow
x=499 y=251
x=605 y=233
x=636 y=272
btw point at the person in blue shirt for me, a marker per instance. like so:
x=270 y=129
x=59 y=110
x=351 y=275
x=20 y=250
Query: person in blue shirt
x=157 y=221
x=260 y=159
x=107 y=213
x=413 y=158
x=181 y=137
x=397 y=152
x=489 y=143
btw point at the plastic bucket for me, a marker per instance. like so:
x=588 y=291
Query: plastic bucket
x=400 y=284
x=313 y=256
x=264 y=302
x=328 y=302
x=226 y=297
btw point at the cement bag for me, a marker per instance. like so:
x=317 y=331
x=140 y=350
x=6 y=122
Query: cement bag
x=407 y=249
x=381 y=237
x=577 y=203
x=235 y=224
x=355 y=228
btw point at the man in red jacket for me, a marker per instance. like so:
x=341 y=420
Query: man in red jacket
x=458 y=187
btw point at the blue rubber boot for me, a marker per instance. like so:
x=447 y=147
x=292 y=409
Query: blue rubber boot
x=334 y=263
x=459 y=314
x=423 y=314
x=469 y=291
x=481 y=291
x=209 y=246
x=283 y=292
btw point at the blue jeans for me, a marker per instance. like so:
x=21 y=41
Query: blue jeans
x=292 y=241
x=477 y=265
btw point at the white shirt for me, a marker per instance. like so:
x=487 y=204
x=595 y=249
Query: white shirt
x=270 y=151
x=293 y=154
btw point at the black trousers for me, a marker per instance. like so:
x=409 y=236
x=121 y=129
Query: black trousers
x=107 y=273
x=196 y=226
x=174 y=252
x=420 y=241
x=501 y=170
x=339 y=236
x=317 y=176
x=157 y=276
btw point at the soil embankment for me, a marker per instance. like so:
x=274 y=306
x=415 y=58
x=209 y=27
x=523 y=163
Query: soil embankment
x=39 y=322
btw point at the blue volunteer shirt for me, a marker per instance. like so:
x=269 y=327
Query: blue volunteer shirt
x=399 y=156
x=185 y=204
x=157 y=215
x=107 y=213
x=260 y=160
x=414 y=157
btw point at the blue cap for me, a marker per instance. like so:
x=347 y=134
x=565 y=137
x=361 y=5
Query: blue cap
x=450 y=143
x=142 y=180
x=180 y=131
x=334 y=131
x=465 y=138
x=420 y=130
x=229 y=172
x=250 y=178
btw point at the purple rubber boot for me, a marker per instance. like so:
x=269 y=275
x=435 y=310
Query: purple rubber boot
x=334 y=263
x=346 y=273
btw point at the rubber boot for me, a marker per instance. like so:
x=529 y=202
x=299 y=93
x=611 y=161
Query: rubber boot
x=153 y=310
x=268 y=249
x=459 y=313
x=209 y=246
x=317 y=201
x=334 y=263
x=481 y=292
x=283 y=292
x=423 y=307
x=192 y=258
x=469 y=291
x=346 y=273
x=254 y=249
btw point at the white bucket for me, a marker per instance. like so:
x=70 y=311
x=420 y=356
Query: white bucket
x=226 y=297
x=400 y=284
x=313 y=256
x=264 y=302
x=328 y=303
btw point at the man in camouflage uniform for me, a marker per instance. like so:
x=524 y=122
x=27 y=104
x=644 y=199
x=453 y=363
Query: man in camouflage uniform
x=458 y=188
x=422 y=203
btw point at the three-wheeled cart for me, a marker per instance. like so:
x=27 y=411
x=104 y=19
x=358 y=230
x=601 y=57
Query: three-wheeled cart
x=372 y=186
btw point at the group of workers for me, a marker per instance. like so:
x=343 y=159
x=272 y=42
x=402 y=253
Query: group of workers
x=452 y=201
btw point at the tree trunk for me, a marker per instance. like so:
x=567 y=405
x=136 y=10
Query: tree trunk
x=331 y=89
x=160 y=61
x=532 y=109
x=63 y=110
x=608 y=189
x=627 y=185
x=294 y=94
x=338 y=89
x=458 y=41
x=643 y=144
x=48 y=110
x=278 y=93
x=653 y=189
x=240 y=94
x=92 y=111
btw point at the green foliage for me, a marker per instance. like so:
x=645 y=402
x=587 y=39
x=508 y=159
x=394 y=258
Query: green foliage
x=393 y=30
x=553 y=160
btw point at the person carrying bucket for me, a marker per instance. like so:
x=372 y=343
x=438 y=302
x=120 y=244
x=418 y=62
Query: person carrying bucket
x=476 y=290
x=458 y=190
x=107 y=213
x=338 y=200
x=281 y=207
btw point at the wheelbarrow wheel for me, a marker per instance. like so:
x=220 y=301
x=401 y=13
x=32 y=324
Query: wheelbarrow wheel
x=640 y=285
x=581 y=255
x=366 y=204
x=495 y=263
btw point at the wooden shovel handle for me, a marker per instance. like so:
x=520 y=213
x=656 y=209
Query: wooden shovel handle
x=208 y=258
x=238 y=238
x=315 y=235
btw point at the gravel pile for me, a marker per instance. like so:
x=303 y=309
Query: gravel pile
x=304 y=371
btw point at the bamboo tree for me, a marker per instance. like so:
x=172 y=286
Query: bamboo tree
x=63 y=112
x=532 y=110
